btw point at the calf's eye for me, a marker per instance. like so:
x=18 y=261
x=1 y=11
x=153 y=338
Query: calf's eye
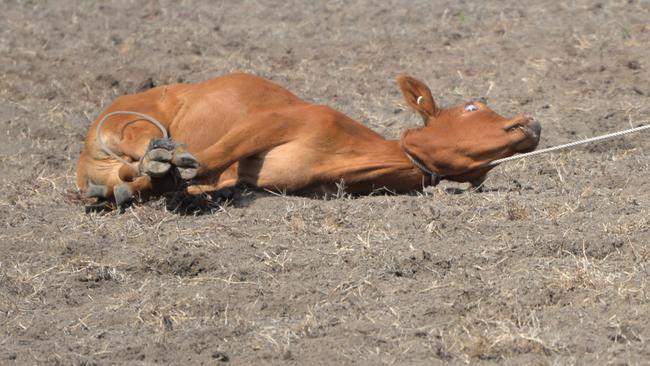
x=471 y=108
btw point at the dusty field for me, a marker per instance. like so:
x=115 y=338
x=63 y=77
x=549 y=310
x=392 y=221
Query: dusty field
x=548 y=267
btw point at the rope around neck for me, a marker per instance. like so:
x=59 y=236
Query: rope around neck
x=102 y=146
x=570 y=144
x=435 y=177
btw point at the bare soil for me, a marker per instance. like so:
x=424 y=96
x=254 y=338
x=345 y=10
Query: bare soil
x=549 y=266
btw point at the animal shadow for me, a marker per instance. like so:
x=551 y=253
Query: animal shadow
x=185 y=204
x=515 y=186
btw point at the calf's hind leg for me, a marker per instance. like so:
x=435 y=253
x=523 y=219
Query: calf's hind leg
x=122 y=193
x=150 y=164
x=163 y=164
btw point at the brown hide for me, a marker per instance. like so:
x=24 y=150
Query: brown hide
x=242 y=128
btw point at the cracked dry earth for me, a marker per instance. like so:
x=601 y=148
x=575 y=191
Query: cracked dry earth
x=549 y=266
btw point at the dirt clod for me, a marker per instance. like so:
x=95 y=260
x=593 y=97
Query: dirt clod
x=220 y=356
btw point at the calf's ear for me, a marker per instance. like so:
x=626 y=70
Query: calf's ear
x=418 y=96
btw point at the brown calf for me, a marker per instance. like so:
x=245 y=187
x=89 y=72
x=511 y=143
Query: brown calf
x=241 y=128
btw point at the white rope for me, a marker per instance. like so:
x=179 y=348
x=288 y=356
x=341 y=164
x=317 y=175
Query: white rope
x=100 y=143
x=570 y=144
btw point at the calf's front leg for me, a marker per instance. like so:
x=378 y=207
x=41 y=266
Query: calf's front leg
x=259 y=134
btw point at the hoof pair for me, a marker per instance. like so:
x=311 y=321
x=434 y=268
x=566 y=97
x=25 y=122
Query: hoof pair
x=122 y=194
x=162 y=158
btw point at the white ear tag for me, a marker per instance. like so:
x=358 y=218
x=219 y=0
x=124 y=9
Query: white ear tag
x=420 y=100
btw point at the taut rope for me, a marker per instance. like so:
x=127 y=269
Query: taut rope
x=571 y=144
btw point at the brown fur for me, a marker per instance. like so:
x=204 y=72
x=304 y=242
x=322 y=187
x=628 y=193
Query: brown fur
x=242 y=128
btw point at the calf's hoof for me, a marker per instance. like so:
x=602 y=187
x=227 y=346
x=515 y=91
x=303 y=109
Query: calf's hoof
x=186 y=173
x=186 y=164
x=123 y=195
x=156 y=161
x=96 y=191
x=162 y=155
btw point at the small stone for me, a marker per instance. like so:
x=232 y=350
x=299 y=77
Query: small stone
x=220 y=356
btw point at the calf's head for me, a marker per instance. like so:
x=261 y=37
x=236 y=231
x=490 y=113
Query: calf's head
x=458 y=142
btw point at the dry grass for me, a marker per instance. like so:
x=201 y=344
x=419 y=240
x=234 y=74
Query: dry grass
x=549 y=266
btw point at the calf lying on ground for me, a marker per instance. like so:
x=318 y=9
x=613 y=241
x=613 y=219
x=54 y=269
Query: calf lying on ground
x=243 y=129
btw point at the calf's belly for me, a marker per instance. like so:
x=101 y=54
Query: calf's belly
x=285 y=167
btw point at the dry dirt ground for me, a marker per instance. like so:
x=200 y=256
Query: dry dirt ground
x=547 y=267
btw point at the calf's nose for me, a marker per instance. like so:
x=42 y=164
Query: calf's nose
x=534 y=126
